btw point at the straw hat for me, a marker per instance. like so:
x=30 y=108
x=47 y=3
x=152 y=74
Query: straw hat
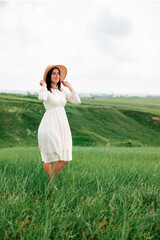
x=62 y=69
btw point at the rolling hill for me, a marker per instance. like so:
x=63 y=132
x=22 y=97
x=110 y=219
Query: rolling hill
x=118 y=121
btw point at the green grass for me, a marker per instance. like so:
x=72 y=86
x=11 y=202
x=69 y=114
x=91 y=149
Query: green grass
x=142 y=104
x=95 y=122
x=110 y=190
x=104 y=193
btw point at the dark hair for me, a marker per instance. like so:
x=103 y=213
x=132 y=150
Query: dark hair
x=48 y=79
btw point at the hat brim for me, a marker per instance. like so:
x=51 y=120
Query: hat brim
x=62 y=69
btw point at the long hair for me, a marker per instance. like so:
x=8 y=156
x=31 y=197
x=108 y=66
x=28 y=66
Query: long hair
x=48 y=79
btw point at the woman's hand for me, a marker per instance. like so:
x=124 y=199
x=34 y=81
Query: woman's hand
x=43 y=83
x=67 y=84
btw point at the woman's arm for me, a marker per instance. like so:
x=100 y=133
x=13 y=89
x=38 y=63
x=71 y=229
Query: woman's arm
x=42 y=96
x=73 y=97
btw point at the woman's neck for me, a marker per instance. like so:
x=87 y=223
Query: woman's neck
x=53 y=86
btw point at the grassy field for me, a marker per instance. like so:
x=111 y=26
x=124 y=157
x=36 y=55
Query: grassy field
x=111 y=188
x=107 y=122
x=104 y=193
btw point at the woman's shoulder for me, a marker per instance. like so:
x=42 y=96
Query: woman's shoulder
x=43 y=89
x=62 y=89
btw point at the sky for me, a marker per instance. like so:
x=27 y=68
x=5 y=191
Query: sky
x=107 y=46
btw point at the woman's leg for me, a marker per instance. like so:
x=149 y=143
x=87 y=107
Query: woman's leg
x=58 y=167
x=48 y=168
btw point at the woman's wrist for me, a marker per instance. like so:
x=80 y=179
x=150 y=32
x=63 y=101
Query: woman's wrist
x=71 y=89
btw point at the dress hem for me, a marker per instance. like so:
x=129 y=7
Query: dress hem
x=56 y=160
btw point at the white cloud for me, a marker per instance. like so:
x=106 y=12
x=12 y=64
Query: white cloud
x=121 y=46
x=106 y=45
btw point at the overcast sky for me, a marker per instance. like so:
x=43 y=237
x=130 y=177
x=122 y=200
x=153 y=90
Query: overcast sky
x=107 y=46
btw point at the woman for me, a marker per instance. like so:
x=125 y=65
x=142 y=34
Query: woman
x=54 y=135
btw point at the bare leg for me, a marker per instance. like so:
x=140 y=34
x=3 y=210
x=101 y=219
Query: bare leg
x=58 y=167
x=48 y=168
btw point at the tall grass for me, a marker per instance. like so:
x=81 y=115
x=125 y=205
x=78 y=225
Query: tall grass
x=104 y=193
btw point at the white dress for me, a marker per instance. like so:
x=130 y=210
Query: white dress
x=54 y=134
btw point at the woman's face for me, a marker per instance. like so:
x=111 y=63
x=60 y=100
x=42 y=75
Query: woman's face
x=55 y=76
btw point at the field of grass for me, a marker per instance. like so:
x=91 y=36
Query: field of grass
x=142 y=104
x=104 y=193
x=107 y=122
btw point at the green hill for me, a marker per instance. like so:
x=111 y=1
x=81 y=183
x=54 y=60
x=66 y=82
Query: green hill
x=107 y=121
